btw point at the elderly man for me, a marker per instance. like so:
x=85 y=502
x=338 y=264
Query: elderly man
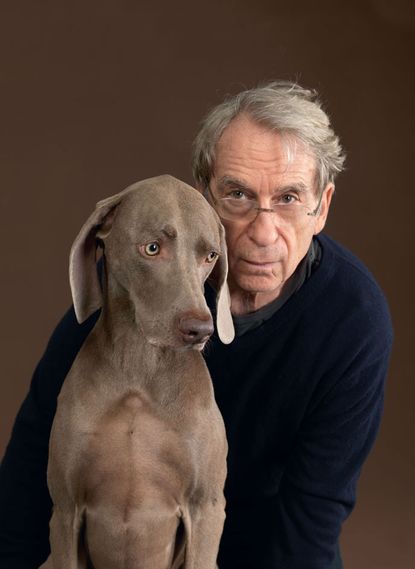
x=300 y=388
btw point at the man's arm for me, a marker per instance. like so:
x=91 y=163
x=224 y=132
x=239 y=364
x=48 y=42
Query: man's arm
x=295 y=522
x=25 y=505
x=317 y=490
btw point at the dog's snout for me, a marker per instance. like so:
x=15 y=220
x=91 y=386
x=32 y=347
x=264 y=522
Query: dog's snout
x=195 y=330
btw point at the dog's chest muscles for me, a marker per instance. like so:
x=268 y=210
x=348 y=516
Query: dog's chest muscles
x=137 y=428
x=121 y=452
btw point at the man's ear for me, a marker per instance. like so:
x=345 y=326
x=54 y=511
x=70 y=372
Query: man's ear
x=321 y=217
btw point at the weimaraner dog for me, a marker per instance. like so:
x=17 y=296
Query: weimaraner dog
x=138 y=449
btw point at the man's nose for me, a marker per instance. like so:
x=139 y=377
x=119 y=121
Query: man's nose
x=263 y=229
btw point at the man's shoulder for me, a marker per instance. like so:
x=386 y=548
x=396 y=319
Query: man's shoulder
x=348 y=271
x=344 y=259
x=352 y=290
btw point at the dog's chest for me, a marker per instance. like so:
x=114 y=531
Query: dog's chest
x=127 y=441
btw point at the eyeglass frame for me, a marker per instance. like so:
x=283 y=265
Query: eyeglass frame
x=264 y=209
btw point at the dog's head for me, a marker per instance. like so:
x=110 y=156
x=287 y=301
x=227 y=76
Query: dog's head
x=161 y=240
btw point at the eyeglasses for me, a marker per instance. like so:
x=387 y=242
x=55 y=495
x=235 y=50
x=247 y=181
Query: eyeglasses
x=240 y=207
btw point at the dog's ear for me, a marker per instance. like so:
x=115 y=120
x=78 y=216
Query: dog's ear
x=224 y=322
x=83 y=277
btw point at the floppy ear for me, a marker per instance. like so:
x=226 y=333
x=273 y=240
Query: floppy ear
x=83 y=277
x=224 y=322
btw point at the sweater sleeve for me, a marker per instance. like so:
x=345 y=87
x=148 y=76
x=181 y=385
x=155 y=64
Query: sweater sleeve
x=317 y=490
x=295 y=523
x=25 y=505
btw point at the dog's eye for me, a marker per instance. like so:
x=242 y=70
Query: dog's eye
x=152 y=249
x=211 y=257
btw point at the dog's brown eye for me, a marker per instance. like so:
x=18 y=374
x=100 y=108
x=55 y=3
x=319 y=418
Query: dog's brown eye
x=152 y=249
x=211 y=257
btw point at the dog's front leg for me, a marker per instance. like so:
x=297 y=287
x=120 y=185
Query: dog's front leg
x=67 y=539
x=206 y=526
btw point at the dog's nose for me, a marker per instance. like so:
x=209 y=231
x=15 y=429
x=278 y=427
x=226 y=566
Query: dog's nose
x=195 y=330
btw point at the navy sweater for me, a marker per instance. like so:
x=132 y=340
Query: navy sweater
x=301 y=398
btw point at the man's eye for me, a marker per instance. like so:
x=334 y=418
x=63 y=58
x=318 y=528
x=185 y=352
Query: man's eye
x=287 y=199
x=237 y=194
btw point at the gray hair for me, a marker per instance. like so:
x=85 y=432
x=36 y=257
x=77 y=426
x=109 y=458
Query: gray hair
x=283 y=106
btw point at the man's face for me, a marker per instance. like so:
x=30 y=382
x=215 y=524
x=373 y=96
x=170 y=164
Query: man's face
x=264 y=252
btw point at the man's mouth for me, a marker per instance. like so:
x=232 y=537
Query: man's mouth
x=260 y=264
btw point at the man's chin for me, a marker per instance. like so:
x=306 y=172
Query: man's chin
x=253 y=284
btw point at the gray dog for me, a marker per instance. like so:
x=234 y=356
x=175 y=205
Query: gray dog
x=138 y=449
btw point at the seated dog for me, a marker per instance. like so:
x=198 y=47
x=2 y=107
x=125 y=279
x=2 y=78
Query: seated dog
x=138 y=449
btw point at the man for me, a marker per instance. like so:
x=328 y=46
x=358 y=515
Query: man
x=301 y=386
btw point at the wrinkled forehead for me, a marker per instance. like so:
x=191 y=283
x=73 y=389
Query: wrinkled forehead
x=248 y=144
x=181 y=211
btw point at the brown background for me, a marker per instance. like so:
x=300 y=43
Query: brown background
x=96 y=95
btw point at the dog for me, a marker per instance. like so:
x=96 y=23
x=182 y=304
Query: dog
x=137 y=460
